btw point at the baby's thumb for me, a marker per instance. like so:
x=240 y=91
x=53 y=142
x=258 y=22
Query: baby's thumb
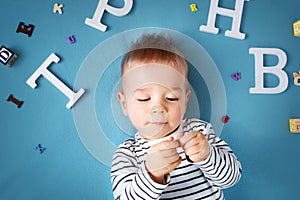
x=179 y=136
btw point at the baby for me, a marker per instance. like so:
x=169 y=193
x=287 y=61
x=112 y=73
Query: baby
x=170 y=157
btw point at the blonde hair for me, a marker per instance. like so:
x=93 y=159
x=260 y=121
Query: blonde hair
x=154 y=48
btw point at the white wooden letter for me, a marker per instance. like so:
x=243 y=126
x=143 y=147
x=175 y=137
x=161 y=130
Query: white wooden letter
x=277 y=70
x=235 y=14
x=95 y=22
x=42 y=70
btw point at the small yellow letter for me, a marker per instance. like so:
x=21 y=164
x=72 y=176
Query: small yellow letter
x=193 y=7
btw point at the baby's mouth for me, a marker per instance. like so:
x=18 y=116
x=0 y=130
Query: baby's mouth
x=153 y=128
x=159 y=123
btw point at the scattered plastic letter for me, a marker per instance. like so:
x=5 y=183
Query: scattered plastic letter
x=71 y=39
x=236 y=76
x=261 y=69
x=7 y=56
x=11 y=98
x=225 y=119
x=43 y=70
x=235 y=14
x=193 y=7
x=295 y=125
x=40 y=148
x=296 y=78
x=296 y=28
x=103 y=6
x=26 y=29
x=58 y=8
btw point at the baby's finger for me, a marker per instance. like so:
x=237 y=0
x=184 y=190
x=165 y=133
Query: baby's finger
x=169 y=152
x=192 y=142
x=193 y=150
x=187 y=137
x=172 y=159
x=195 y=141
x=170 y=144
x=167 y=144
x=194 y=157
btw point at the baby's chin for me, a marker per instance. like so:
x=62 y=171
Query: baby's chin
x=155 y=131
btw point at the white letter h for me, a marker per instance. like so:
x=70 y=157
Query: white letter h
x=235 y=14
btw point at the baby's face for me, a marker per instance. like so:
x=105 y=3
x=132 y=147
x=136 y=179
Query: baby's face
x=154 y=98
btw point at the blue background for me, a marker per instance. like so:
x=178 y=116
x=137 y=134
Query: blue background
x=258 y=130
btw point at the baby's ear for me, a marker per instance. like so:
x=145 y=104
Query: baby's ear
x=187 y=97
x=122 y=101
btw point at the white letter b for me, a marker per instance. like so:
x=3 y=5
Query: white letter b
x=277 y=70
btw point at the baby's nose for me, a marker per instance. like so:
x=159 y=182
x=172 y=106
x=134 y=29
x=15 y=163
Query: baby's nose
x=157 y=109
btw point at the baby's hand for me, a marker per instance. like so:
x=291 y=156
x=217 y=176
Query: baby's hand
x=195 y=145
x=162 y=158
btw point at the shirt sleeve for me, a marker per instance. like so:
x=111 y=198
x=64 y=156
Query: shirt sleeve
x=222 y=168
x=130 y=180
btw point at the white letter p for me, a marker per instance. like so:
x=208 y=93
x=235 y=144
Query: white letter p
x=95 y=22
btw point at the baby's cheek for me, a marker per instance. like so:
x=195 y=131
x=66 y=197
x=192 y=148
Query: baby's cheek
x=177 y=115
x=180 y=109
x=137 y=117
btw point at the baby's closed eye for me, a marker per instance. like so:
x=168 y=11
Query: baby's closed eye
x=143 y=99
x=172 y=98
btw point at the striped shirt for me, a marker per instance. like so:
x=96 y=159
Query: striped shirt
x=202 y=180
